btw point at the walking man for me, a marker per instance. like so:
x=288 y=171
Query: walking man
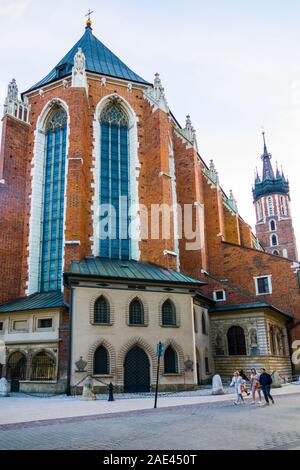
x=265 y=381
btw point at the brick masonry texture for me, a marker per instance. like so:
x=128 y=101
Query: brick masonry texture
x=227 y=247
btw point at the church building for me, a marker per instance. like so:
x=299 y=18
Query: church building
x=116 y=234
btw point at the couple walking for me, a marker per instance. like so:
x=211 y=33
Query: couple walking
x=258 y=382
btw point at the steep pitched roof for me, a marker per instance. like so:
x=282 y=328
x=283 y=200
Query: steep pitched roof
x=35 y=301
x=99 y=59
x=128 y=270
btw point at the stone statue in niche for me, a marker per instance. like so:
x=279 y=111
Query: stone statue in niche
x=219 y=344
x=79 y=61
x=79 y=79
x=253 y=338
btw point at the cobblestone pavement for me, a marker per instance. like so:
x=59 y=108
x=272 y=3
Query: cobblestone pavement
x=195 y=427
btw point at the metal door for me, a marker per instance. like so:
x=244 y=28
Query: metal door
x=136 y=371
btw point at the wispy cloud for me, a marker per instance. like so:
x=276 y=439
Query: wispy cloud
x=13 y=8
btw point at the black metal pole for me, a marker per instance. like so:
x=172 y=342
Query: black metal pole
x=157 y=378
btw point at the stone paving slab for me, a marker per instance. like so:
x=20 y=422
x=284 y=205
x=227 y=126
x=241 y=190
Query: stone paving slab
x=28 y=409
x=206 y=426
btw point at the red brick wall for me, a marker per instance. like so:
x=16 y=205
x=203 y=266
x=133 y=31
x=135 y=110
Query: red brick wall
x=13 y=163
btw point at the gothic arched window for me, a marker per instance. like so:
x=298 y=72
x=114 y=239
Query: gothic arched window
x=101 y=311
x=270 y=206
x=272 y=225
x=284 y=210
x=114 y=182
x=168 y=313
x=274 y=240
x=101 y=361
x=136 y=312
x=170 y=361
x=236 y=341
x=53 y=202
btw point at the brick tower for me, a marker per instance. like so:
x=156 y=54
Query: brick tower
x=274 y=224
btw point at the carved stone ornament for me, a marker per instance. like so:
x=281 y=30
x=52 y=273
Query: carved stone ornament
x=188 y=365
x=81 y=365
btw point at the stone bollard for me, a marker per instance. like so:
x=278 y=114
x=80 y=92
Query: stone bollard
x=4 y=387
x=276 y=380
x=87 y=393
x=217 y=386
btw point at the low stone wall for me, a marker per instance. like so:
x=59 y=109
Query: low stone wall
x=226 y=365
x=43 y=387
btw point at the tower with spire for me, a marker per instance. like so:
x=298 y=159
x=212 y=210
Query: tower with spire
x=271 y=196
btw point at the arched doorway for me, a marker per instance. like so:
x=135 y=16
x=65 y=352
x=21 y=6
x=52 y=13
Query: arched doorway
x=136 y=371
x=16 y=370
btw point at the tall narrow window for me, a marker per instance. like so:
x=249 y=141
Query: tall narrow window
x=168 y=313
x=136 y=313
x=270 y=206
x=274 y=240
x=171 y=361
x=236 y=341
x=284 y=210
x=101 y=311
x=101 y=361
x=272 y=225
x=53 y=202
x=114 y=183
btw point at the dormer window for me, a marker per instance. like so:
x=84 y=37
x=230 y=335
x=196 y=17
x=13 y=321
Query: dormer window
x=61 y=71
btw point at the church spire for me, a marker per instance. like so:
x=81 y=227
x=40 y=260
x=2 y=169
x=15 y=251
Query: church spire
x=268 y=173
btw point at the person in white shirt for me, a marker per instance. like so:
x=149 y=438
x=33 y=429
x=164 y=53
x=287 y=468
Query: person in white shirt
x=237 y=382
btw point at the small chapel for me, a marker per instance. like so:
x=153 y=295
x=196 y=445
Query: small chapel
x=117 y=234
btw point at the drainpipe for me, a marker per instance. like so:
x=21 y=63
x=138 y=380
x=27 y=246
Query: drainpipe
x=69 y=371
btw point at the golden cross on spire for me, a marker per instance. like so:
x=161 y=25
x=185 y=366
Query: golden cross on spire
x=89 y=21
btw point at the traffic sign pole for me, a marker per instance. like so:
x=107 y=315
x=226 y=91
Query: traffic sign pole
x=157 y=379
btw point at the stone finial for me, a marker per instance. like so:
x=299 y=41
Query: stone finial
x=156 y=95
x=13 y=106
x=212 y=172
x=79 y=79
x=190 y=131
x=103 y=81
x=233 y=200
x=12 y=91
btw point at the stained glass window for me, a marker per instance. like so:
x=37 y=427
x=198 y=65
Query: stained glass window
x=114 y=183
x=53 y=202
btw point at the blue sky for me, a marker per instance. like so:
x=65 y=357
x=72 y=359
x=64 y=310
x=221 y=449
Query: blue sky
x=233 y=66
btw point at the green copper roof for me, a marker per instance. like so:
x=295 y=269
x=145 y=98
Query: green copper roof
x=128 y=270
x=99 y=59
x=35 y=302
x=255 y=305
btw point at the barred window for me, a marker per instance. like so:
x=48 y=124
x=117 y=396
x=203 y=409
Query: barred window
x=171 y=361
x=43 y=367
x=101 y=361
x=168 y=313
x=136 y=313
x=102 y=311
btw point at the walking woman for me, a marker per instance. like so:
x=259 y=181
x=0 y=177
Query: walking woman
x=255 y=385
x=237 y=382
